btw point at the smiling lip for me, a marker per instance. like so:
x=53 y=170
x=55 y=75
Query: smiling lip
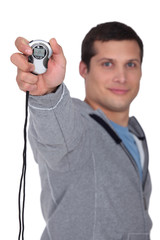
x=118 y=91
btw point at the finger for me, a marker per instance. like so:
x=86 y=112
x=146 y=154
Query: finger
x=26 y=83
x=55 y=46
x=22 y=46
x=21 y=62
x=58 y=55
x=28 y=87
x=26 y=77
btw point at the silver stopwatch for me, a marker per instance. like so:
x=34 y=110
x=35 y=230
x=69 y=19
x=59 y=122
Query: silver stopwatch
x=41 y=53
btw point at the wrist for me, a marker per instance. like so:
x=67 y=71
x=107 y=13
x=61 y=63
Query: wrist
x=48 y=100
x=53 y=90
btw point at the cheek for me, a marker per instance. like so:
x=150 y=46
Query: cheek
x=94 y=80
x=135 y=80
x=135 y=87
x=94 y=86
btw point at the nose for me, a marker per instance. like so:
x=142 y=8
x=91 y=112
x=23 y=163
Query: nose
x=120 y=75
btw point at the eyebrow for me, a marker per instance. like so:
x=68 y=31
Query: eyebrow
x=105 y=59
x=111 y=59
x=134 y=60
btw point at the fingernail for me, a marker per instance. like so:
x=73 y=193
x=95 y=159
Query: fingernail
x=28 y=51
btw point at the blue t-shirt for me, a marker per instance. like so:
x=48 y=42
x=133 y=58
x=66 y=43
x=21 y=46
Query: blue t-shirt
x=129 y=142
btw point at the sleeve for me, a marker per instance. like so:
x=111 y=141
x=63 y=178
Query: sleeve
x=55 y=127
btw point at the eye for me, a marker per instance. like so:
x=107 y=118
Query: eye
x=107 y=64
x=131 y=64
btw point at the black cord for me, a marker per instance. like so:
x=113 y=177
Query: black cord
x=21 y=203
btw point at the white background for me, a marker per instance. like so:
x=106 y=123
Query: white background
x=69 y=21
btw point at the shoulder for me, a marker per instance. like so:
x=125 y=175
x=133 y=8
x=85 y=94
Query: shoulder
x=82 y=106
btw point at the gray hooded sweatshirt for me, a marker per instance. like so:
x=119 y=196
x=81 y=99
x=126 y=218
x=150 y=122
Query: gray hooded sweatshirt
x=91 y=189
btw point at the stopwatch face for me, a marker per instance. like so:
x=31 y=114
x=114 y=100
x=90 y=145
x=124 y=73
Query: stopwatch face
x=39 y=52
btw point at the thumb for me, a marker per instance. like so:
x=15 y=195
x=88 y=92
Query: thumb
x=58 y=55
x=56 y=48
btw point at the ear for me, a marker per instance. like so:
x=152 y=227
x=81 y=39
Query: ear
x=83 y=70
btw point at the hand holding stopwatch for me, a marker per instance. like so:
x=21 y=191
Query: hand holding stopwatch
x=41 y=53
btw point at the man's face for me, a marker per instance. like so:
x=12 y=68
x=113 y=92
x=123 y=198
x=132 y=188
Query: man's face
x=113 y=79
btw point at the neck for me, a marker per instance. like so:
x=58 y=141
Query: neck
x=120 y=117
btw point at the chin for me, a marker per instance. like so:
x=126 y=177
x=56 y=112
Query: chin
x=118 y=107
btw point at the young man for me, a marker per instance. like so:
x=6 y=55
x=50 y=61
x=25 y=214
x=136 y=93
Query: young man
x=93 y=158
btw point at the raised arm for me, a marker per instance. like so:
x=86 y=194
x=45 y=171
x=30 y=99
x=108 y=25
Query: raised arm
x=55 y=125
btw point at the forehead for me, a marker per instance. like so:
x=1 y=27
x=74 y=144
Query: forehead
x=114 y=49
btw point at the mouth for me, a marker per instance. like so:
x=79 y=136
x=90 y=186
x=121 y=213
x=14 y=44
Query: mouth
x=118 y=91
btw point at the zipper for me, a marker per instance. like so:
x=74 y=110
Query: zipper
x=131 y=159
x=143 y=138
x=137 y=171
x=118 y=140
